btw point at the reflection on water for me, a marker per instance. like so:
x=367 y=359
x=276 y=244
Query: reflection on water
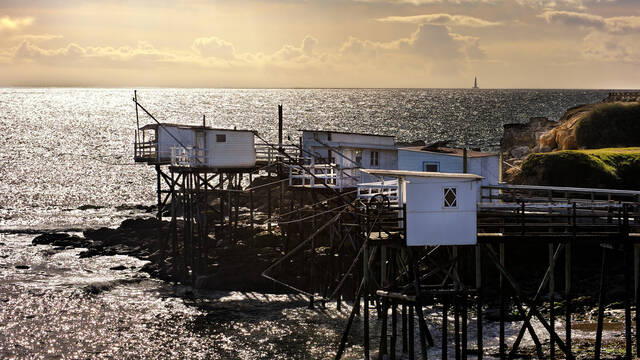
x=64 y=306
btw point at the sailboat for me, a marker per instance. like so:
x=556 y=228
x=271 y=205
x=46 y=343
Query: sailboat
x=475 y=83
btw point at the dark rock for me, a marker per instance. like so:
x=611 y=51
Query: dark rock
x=69 y=241
x=89 y=207
x=119 y=267
x=22 y=267
x=100 y=234
x=48 y=238
x=97 y=288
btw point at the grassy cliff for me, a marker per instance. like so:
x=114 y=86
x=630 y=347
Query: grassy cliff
x=609 y=125
x=611 y=168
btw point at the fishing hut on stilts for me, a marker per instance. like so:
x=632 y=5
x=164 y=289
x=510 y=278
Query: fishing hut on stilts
x=441 y=244
x=427 y=252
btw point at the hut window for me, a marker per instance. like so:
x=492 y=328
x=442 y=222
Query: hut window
x=431 y=166
x=450 y=198
x=329 y=136
x=221 y=137
x=374 y=159
x=358 y=157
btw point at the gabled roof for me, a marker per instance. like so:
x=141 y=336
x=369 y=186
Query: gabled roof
x=448 y=151
x=185 y=126
x=406 y=173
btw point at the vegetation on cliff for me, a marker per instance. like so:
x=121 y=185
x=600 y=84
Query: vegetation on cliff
x=609 y=125
x=612 y=168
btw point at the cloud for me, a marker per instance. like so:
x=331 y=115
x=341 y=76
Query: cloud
x=441 y=19
x=214 y=47
x=431 y=2
x=73 y=54
x=540 y=4
x=574 y=18
x=434 y=42
x=614 y=25
x=15 y=24
x=37 y=37
x=308 y=44
x=606 y=47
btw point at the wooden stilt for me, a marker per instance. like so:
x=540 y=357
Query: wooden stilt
x=456 y=326
x=552 y=318
x=636 y=275
x=567 y=294
x=502 y=349
x=601 y=299
x=383 y=329
x=269 y=209
x=412 y=354
x=445 y=330
x=394 y=330
x=463 y=319
x=404 y=329
x=365 y=305
x=479 y=301
x=627 y=296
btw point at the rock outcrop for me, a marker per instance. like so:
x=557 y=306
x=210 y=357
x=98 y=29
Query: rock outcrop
x=563 y=136
x=520 y=139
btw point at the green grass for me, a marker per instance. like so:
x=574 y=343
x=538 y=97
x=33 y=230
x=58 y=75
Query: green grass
x=609 y=125
x=608 y=168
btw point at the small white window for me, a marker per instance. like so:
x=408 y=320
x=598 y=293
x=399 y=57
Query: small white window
x=221 y=137
x=374 y=159
x=450 y=197
x=431 y=166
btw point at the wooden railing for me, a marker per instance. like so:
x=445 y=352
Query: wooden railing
x=315 y=175
x=269 y=154
x=569 y=219
x=145 y=151
x=388 y=188
x=188 y=157
x=556 y=194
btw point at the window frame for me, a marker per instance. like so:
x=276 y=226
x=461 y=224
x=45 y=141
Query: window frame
x=221 y=136
x=445 y=203
x=374 y=160
x=425 y=163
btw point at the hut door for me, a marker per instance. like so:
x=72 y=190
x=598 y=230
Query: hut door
x=201 y=146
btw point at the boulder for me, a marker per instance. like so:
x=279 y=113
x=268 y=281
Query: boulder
x=49 y=238
x=520 y=151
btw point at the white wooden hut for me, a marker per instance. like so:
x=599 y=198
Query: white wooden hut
x=450 y=160
x=441 y=207
x=339 y=156
x=195 y=146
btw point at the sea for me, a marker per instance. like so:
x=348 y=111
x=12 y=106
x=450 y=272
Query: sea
x=66 y=164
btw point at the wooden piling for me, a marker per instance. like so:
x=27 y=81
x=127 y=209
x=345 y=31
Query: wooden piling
x=502 y=348
x=445 y=330
x=601 y=299
x=404 y=329
x=383 y=329
x=479 y=301
x=552 y=318
x=627 y=295
x=463 y=334
x=412 y=354
x=456 y=326
x=636 y=275
x=365 y=305
x=394 y=329
x=567 y=294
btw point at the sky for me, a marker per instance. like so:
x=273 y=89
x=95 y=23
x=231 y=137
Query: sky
x=586 y=44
